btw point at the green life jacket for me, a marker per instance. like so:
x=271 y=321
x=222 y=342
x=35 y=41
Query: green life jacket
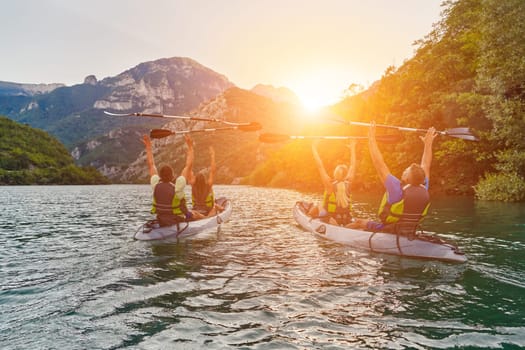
x=165 y=202
x=412 y=207
x=330 y=200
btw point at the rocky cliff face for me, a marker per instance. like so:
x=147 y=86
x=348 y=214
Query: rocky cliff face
x=171 y=85
x=74 y=114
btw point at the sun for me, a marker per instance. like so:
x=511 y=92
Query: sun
x=316 y=94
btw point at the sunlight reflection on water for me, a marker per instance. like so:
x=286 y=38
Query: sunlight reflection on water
x=73 y=277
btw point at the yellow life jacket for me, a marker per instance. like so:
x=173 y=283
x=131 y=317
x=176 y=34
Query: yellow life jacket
x=412 y=207
x=209 y=201
x=330 y=200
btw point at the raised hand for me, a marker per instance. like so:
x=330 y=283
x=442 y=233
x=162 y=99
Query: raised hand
x=429 y=136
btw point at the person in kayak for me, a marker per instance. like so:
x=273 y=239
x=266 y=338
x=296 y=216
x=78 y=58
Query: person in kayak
x=202 y=195
x=406 y=201
x=335 y=207
x=169 y=201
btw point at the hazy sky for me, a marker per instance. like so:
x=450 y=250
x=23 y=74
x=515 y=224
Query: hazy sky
x=315 y=47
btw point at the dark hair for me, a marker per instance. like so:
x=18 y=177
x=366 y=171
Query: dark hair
x=416 y=175
x=166 y=173
x=200 y=187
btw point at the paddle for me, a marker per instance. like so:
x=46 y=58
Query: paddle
x=460 y=133
x=161 y=133
x=274 y=138
x=174 y=117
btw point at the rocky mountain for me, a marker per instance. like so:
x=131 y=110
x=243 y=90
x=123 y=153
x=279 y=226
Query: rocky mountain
x=178 y=86
x=280 y=94
x=17 y=89
x=170 y=85
x=75 y=113
x=237 y=152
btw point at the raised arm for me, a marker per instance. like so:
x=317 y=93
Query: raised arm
x=375 y=154
x=327 y=181
x=213 y=167
x=352 y=168
x=187 y=172
x=149 y=156
x=426 y=159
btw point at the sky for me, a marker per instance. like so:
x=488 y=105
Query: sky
x=317 y=48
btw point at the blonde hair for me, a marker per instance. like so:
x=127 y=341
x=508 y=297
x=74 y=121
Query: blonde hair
x=341 y=195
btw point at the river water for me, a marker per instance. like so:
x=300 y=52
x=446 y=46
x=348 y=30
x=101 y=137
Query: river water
x=72 y=277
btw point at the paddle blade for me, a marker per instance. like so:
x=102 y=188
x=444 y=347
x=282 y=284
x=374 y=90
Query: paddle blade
x=254 y=126
x=119 y=114
x=465 y=137
x=273 y=138
x=461 y=133
x=160 y=133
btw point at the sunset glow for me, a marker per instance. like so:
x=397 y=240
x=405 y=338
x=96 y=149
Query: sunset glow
x=313 y=100
x=317 y=91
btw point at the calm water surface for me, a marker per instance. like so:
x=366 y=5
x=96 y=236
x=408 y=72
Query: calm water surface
x=72 y=277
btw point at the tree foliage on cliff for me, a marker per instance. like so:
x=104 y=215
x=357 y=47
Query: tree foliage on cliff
x=468 y=71
x=31 y=156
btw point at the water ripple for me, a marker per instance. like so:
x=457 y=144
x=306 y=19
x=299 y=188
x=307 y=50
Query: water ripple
x=72 y=277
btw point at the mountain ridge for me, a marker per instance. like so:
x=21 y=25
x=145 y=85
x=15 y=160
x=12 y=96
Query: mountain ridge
x=26 y=89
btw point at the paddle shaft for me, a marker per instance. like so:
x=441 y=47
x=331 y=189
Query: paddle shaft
x=152 y=115
x=274 y=138
x=460 y=133
x=161 y=133
x=301 y=137
x=401 y=128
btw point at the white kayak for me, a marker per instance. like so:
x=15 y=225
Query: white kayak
x=152 y=231
x=420 y=245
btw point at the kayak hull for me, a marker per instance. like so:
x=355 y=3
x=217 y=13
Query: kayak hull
x=151 y=232
x=422 y=246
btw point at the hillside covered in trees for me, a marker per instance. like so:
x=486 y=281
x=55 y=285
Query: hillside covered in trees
x=31 y=156
x=469 y=71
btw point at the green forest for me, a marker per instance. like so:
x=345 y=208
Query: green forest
x=468 y=71
x=31 y=156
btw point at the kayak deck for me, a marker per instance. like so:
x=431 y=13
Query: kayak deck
x=419 y=245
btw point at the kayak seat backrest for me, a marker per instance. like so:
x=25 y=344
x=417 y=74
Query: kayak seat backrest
x=406 y=228
x=407 y=224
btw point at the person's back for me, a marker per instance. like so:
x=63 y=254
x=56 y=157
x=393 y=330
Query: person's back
x=335 y=207
x=405 y=201
x=169 y=203
x=336 y=203
x=202 y=195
